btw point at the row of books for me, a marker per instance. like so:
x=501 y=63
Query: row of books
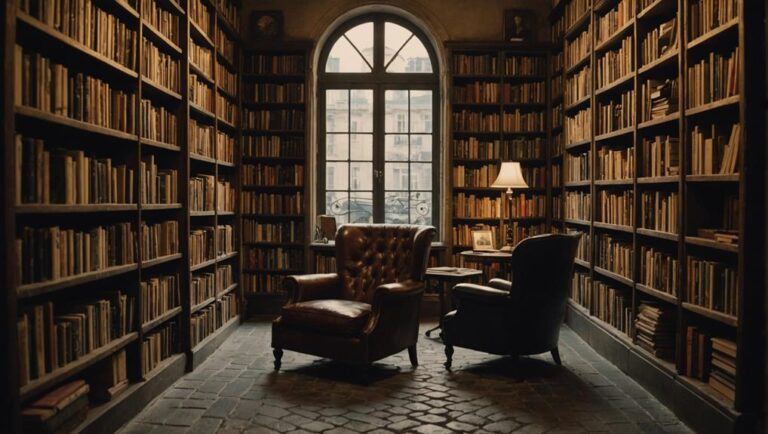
x=712 y=152
x=655 y=327
x=614 y=19
x=578 y=85
x=53 y=253
x=200 y=14
x=89 y=25
x=659 y=41
x=159 y=239
x=325 y=264
x=273 y=119
x=614 y=254
x=507 y=93
x=557 y=29
x=162 y=20
x=483 y=64
x=273 y=283
x=616 y=114
x=225 y=239
x=614 y=64
x=226 y=79
x=473 y=148
x=159 y=186
x=711 y=359
x=274 y=258
x=659 y=270
x=204 y=286
x=658 y=98
x=231 y=12
x=659 y=210
x=264 y=146
x=271 y=64
x=707 y=15
x=612 y=305
x=713 y=78
x=206 y=321
x=484 y=176
x=462 y=234
x=268 y=175
x=200 y=140
x=660 y=156
x=226 y=110
x=158 y=123
x=158 y=295
x=225 y=147
x=581 y=289
x=584 y=251
x=557 y=206
x=712 y=285
x=54 y=88
x=578 y=127
x=274 y=92
x=578 y=48
x=574 y=10
x=200 y=93
x=555 y=175
x=159 y=345
x=578 y=205
x=514 y=121
x=616 y=207
x=225 y=46
x=160 y=67
x=50 y=336
x=202 y=192
x=558 y=115
x=62 y=176
x=615 y=164
x=271 y=204
x=525 y=65
x=201 y=245
x=578 y=167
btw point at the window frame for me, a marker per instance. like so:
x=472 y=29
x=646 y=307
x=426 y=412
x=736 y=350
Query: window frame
x=379 y=81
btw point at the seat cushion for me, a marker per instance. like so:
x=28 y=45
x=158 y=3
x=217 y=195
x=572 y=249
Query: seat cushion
x=335 y=316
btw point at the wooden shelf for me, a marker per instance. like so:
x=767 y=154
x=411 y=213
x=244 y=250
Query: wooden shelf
x=85 y=127
x=615 y=182
x=197 y=33
x=159 y=145
x=577 y=104
x=724 y=30
x=161 y=260
x=712 y=314
x=161 y=39
x=200 y=74
x=40 y=288
x=577 y=222
x=160 y=89
x=202 y=158
x=150 y=325
x=577 y=184
x=674 y=117
x=616 y=37
x=201 y=111
x=615 y=134
x=733 y=177
x=159 y=206
x=615 y=276
x=722 y=104
x=669 y=298
x=658 y=234
x=577 y=25
x=584 y=61
x=273 y=271
x=210 y=213
x=59 y=375
x=202 y=265
x=669 y=58
x=582 y=263
x=273 y=244
x=656 y=9
x=612 y=227
x=75 y=209
x=712 y=244
x=650 y=180
x=577 y=144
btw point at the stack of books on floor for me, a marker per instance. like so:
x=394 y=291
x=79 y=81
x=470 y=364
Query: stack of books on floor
x=722 y=376
x=655 y=325
x=61 y=410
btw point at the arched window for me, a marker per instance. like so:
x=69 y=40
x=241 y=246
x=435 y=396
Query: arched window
x=378 y=130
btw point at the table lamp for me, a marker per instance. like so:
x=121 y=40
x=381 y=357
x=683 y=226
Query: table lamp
x=510 y=176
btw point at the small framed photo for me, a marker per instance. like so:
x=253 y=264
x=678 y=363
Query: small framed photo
x=482 y=240
x=519 y=25
x=327 y=227
x=266 y=25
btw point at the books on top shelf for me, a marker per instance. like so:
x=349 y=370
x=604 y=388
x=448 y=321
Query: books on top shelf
x=613 y=20
x=483 y=64
x=60 y=410
x=68 y=177
x=655 y=326
x=707 y=15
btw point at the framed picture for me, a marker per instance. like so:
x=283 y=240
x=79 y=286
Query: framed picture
x=482 y=240
x=327 y=227
x=266 y=25
x=519 y=25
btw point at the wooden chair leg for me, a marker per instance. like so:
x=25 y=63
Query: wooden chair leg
x=278 y=353
x=448 y=356
x=556 y=356
x=413 y=356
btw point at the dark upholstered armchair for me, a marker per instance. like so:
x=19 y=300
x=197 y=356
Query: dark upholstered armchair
x=521 y=317
x=369 y=308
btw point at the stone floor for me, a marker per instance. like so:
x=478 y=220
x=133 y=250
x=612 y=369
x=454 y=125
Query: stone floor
x=237 y=391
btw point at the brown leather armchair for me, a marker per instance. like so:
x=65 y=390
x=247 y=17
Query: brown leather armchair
x=521 y=317
x=366 y=311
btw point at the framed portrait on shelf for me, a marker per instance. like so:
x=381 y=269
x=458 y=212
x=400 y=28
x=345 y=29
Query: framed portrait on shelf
x=326 y=225
x=519 y=25
x=482 y=240
x=266 y=25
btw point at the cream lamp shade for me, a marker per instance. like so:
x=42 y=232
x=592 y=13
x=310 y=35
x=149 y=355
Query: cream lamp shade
x=510 y=176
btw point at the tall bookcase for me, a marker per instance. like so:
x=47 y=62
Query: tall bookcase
x=642 y=191
x=499 y=111
x=276 y=229
x=128 y=163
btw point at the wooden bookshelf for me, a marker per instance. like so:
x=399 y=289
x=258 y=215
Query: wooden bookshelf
x=128 y=147
x=697 y=195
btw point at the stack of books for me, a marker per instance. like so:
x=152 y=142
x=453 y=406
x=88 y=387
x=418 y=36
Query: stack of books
x=61 y=410
x=722 y=376
x=655 y=325
x=662 y=97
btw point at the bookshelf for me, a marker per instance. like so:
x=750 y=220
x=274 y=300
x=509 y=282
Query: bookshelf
x=122 y=181
x=499 y=111
x=659 y=210
x=276 y=229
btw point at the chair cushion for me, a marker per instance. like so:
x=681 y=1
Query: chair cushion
x=335 y=316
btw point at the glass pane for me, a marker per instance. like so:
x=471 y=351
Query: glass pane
x=421 y=111
x=337 y=110
x=421 y=208
x=337 y=205
x=396 y=147
x=336 y=176
x=395 y=207
x=362 y=111
x=361 y=176
x=336 y=146
x=361 y=37
x=421 y=176
x=344 y=58
x=361 y=207
x=396 y=111
x=396 y=176
x=361 y=147
x=412 y=58
x=421 y=147
x=394 y=38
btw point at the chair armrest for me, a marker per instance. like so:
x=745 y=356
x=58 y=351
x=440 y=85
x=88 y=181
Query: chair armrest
x=470 y=291
x=501 y=284
x=392 y=304
x=405 y=288
x=313 y=286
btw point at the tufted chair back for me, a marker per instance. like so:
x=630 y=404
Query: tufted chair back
x=369 y=255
